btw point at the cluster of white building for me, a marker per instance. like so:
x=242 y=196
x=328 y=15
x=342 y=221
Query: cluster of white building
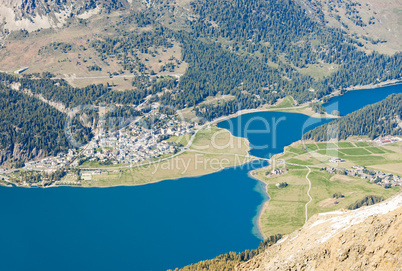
x=50 y=164
x=136 y=143
x=386 y=140
x=276 y=172
x=336 y=160
x=132 y=144
x=374 y=176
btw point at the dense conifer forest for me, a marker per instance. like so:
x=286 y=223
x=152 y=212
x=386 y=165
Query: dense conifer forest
x=29 y=127
x=379 y=119
x=254 y=50
x=228 y=261
x=255 y=56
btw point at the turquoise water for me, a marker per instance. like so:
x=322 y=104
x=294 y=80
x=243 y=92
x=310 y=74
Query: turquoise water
x=153 y=227
x=270 y=132
x=354 y=100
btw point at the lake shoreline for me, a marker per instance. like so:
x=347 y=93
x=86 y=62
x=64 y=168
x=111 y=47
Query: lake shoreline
x=264 y=205
x=270 y=108
x=387 y=83
x=307 y=104
x=251 y=173
x=244 y=219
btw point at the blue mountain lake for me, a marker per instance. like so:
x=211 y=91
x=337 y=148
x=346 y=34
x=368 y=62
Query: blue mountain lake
x=157 y=226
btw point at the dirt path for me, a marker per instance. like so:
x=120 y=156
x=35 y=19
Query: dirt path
x=308 y=192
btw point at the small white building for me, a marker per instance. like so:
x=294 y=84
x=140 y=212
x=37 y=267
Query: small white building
x=21 y=70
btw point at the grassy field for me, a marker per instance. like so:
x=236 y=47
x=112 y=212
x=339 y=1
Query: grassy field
x=362 y=144
x=319 y=71
x=306 y=110
x=218 y=99
x=354 y=152
x=212 y=150
x=285 y=212
x=180 y=140
x=288 y=101
x=327 y=145
x=346 y=145
x=375 y=150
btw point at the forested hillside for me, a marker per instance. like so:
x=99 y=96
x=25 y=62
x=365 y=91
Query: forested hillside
x=179 y=54
x=382 y=118
x=255 y=50
x=60 y=91
x=30 y=128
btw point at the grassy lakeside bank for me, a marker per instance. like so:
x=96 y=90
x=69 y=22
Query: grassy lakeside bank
x=286 y=104
x=212 y=150
x=185 y=164
x=285 y=211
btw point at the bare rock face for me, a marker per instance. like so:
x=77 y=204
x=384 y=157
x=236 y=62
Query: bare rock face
x=369 y=238
x=36 y=14
x=5 y=154
x=19 y=152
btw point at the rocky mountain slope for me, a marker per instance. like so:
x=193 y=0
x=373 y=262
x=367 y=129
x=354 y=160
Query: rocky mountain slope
x=369 y=238
x=377 y=20
x=36 y=14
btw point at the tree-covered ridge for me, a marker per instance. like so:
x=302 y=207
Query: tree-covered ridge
x=56 y=90
x=29 y=127
x=215 y=69
x=364 y=69
x=276 y=31
x=229 y=261
x=253 y=50
x=374 y=120
x=126 y=46
x=60 y=91
x=253 y=37
x=267 y=29
x=254 y=19
x=366 y=201
x=212 y=69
